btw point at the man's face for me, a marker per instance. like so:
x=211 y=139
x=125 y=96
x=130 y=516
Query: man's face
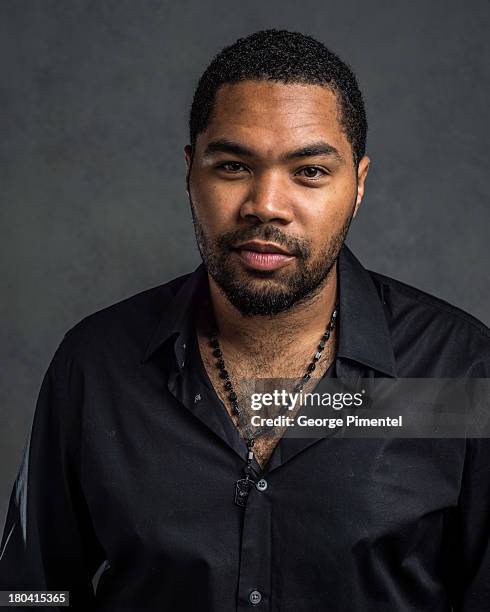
x=273 y=188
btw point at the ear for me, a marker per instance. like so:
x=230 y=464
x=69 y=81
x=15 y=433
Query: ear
x=362 y=171
x=188 y=163
x=188 y=156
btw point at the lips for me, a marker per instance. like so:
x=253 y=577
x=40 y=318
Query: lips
x=265 y=256
x=262 y=247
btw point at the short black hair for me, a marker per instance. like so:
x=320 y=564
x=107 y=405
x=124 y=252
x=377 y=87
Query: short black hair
x=285 y=57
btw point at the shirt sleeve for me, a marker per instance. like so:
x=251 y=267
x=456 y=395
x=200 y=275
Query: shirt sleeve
x=468 y=555
x=48 y=540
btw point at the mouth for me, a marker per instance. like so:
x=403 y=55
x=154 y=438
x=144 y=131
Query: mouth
x=265 y=256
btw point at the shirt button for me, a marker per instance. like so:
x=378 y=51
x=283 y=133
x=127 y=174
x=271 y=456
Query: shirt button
x=262 y=484
x=255 y=597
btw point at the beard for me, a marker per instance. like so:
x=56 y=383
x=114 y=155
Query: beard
x=267 y=293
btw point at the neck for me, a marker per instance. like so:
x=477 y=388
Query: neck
x=303 y=323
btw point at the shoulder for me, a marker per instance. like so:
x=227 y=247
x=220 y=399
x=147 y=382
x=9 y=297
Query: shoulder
x=124 y=326
x=407 y=297
x=434 y=325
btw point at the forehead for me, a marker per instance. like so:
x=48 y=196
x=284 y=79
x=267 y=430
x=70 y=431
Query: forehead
x=272 y=116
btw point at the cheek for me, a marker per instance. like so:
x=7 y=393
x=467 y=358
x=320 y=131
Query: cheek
x=212 y=195
x=323 y=227
x=325 y=210
x=323 y=220
x=337 y=194
x=214 y=205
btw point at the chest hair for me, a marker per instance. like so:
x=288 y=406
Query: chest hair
x=264 y=363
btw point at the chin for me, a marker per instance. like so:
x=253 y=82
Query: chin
x=260 y=280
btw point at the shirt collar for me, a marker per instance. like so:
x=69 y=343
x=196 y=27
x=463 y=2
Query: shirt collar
x=363 y=334
x=363 y=330
x=179 y=310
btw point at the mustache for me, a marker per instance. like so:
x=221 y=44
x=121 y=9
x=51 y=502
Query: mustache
x=270 y=233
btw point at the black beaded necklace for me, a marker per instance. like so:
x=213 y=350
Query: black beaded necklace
x=243 y=485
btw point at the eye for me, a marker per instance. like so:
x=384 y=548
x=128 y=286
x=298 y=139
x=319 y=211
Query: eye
x=232 y=166
x=312 y=172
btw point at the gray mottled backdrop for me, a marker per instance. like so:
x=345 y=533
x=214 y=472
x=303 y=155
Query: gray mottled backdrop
x=93 y=103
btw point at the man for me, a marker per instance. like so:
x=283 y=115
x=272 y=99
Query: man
x=144 y=484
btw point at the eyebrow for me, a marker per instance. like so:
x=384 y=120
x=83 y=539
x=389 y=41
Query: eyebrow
x=228 y=146
x=315 y=149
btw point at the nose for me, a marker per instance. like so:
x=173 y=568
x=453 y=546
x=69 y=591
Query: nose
x=268 y=199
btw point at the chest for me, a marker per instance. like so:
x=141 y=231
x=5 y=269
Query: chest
x=290 y=367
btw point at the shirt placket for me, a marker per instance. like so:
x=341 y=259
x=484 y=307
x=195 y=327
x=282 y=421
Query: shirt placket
x=254 y=588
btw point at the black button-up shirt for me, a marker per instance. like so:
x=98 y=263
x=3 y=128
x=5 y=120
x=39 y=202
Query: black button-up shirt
x=130 y=468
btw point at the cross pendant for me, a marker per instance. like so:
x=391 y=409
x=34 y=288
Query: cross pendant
x=242 y=488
